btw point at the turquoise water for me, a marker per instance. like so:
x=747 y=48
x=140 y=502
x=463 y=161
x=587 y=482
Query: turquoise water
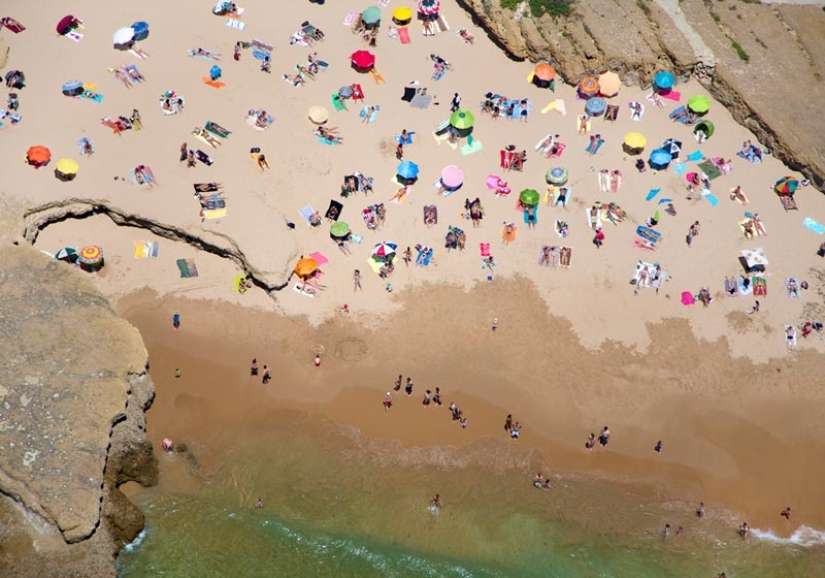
x=337 y=505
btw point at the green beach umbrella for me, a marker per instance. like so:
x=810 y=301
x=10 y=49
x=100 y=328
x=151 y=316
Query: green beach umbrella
x=371 y=15
x=529 y=197
x=699 y=103
x=66 y=254
x=462 y=119
x=339 y=229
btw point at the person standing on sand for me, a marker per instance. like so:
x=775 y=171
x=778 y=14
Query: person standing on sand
x=437 y=396
x=744 y=530
x=658 y=447
x=427 y=398
x=700 y=511
x=755 y=308
x=786 y=513
x=317 y=361
x=176 y=320
x=591 y=441
x=260 y=503
x=267 y=376
x=455 y=104
x=666 y=530
x=409 y=387
x=184 y=152
x=605 y=436
x=253 y=368
x=508 y=423
x=356 y=277
x=398 y=383
x=387 y=401
x=495 y=324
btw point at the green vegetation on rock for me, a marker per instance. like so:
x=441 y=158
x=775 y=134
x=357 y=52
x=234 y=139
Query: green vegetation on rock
x=540 y=7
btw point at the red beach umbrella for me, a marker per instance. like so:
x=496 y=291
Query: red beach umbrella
x=363 y=60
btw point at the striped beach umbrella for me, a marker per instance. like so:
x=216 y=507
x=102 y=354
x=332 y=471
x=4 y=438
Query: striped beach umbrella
x=588 y=86
x=557 y=176
x=91 y=255
x=786 y=186
x=595 y=106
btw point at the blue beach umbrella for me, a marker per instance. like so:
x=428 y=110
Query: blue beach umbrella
x=407 y=172
x=215 y=72
x=595 y=106
x=660 y=159
x=664 y=80
x=141 y=30
x=72 y=88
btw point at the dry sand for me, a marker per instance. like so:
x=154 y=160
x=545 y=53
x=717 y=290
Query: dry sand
x=643 y=363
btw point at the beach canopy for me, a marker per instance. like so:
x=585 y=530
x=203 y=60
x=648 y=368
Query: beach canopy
x=67 y=167
x=699 y=103
x=544 y=71
x=339 y=229
x=609 y=84
x=664 y=80
x=595 y=106
x=66 y=24
x=588 y=86
x=91 y=255
x=407 y=170
x=452 y=177
x=318 y=114
x=306 y=267
x=402 y=15
x=673 y=146
x=557 y=176
x=371 y=15
x=363 y=60
x=38 y=155
x=462 y=119
x=705 y=126
x=529 y=197
x=384 y=250
x=72 y=88
x=429 y=7
x=141 y=30
x=786 y=186
x=123 y=37
x=659 y=159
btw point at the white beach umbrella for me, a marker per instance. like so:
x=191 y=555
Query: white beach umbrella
x=123 y=36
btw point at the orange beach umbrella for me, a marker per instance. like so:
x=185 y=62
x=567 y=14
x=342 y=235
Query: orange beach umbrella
x=38 y=155
x=306 y=267
x=545 y=71
x=589 y=86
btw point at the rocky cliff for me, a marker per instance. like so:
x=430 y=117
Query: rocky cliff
x=73 y=391
x=764 y=62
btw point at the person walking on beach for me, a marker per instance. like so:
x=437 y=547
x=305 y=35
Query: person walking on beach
x=399 y=150
x=437 y=396
x=356 y=277
x=184 y=152
x=267 y=377
x=317 y=360
x=427 y=398
x=700 y=511
x=786 y=513
x=259 y=503
x=605 y=436
x=455 y=104
x=598 y=238
x=515 y=431
x=495 y=324
x=387 y=402
x=508 y=423
x=744 y=530
x=253 y=368
x=666 y=530
x=755 y=308
x=398 y=383
x=176 y=320
x=409 y=387
x=591 y=441
x=658 y=447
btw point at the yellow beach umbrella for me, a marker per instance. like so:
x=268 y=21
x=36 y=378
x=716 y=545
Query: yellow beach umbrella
x=67 y=166
x=610 y=84
x=89 y=86
x=402 y=14
x=635 y=140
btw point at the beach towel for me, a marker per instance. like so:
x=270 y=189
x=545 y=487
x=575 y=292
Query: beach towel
x=557 y=105
x=409 y=93
x=792 y=281
x=680 y=168
x=136 y=54
x=408 y=140
x=350 y=18
x=304 y=290
x=212 y=83
x=236 y=24
x=652 y=193
x=204 y=158
x=421 y=101
x=648 y=234
x=561 y=228
x=710 y=169
x=430 y=215
x=760 y=286
x=320 y=258
x=404 y=35
x=711 y=198
x=687 y=298
x=89 y=95
x=216 y=129
x=76 y=36
x=636 y=116
x=334 y=210
x=140 y=249
x=695 y=156
x=788 y=202
x=373 y=114
x=644 y=244
x=527 y=217
x=426 y=257
x=374 y=265
x=471 y=147
x=306 y=213
x=731 y=287
x=187 y=268
x=509 y=237
x=552 y=252
x=442 y=22
x=485 y=249
x=817 y=228
x=214 y=214
x=327 y=141
x=673 y=95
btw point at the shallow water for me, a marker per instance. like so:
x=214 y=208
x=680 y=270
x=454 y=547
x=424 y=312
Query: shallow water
x=338 y=504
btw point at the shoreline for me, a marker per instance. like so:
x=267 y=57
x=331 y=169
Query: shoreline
x=711 y=460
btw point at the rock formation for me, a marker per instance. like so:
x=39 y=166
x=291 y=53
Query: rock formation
x=73 y=391
x=751 y=57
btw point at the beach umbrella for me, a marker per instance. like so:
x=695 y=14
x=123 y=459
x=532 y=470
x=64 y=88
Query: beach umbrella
x=659 y=159
x=786 y=186
x=362 y=60
x=383 y=251
x=544 y=71
x=38 y=155
x=66 y=24
x=588 y=86
x=318 y=114
x=306 y=267
x=141 y=30
x=66 y=254
x=91 y=255
x=123 y=37
x=557 y=176
x=339 y=229
x=452 y=177
x=673 y=146
x=66 y=169
x=371 y=15
x=402 y=15
x=462 y=119
x=407 y=172
x=609 y=84
x=529 y=197
x=215 y=72
x=429 y=8
x=345 y=91
x=705 y=126
x=699 y=103
x=634 y=143
x=595 y=106
x=664 y=80
x=72 y=88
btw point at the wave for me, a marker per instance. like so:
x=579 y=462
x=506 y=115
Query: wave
x=804 y=536
x=131 y=546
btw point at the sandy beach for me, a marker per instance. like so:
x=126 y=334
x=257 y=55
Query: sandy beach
x=578 y=347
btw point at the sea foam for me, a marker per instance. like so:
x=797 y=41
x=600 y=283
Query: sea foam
x=804 y=536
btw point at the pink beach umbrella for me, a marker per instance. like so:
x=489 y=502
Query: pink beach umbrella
x=452 y=177
x=493 y=182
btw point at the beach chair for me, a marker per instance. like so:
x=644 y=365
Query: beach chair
x=357 y=92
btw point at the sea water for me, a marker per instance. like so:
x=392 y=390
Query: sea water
x=339 y=505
